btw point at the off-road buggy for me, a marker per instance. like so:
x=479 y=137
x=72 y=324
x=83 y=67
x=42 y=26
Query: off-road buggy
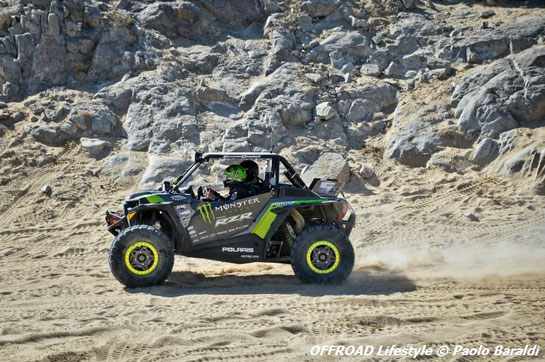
x=290 y=222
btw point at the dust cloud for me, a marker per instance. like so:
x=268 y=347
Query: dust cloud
x=457 y=261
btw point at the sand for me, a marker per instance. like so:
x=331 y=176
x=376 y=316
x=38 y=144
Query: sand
x=425 y=273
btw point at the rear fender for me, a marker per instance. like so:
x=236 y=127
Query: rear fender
x=329 y=213
x=335 y=214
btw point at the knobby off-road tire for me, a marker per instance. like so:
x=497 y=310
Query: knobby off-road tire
x=323 y=255
x=141 y=256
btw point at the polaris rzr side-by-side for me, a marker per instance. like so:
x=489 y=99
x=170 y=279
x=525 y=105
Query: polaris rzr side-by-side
x=275 y=217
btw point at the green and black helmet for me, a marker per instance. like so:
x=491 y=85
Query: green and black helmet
x=236 y=173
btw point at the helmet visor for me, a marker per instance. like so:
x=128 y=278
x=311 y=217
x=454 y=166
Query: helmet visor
x=235 y=173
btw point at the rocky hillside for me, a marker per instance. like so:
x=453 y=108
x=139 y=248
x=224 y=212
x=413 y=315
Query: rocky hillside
x=433 y=110
x=438 y=84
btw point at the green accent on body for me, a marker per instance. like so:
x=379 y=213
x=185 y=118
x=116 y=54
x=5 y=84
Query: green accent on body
x=318 y=201
x=152 y=199
x=264 y=225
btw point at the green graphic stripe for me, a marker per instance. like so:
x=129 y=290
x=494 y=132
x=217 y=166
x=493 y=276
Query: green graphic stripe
x=318 y=201
x=279 y=204
x=154 y=198
x=202 y=212
x=212 y=211
x=263 y=226
x=207 y=216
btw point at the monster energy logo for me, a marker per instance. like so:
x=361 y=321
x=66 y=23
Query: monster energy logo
x=206 y=212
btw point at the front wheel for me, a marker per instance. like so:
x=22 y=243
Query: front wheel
x=322 y=254
x=141 y=256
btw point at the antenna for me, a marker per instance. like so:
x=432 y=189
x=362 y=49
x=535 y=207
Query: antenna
x=272 y=135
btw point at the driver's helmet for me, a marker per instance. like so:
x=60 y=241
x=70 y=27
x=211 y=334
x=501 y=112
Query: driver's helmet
x=252 y=170
x=235 y=173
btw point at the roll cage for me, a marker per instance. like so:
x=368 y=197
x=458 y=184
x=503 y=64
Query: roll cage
x=271 y=174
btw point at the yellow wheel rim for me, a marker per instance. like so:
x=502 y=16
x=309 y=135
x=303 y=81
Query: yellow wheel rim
x=141 y=258
x=323 y=257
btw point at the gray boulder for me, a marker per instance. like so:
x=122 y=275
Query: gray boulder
x=240 y=14
x=170 y=134
x=370 y=69
x=77 y=120
x=486 y=152
x=409 y=4
x=296 y=112
x=413 y=144
x=359 y=23
x=349 y=42
x=103 y=120
x=113 y=57
x=328 y=166
x=46 y=189
x=248 y=98
x=539 y=188
x=325 y=111
x=4 y=114
x=50 y=135
x=319 y=8
x=213 y=95
x=53 y=23
x=159 y=16
x=123 y=167
x=366 y=172
x=119 y=97
x=480 y=50
x=162 y=168
x=340 y=47
x=307 y=155
x=521 y=161
x=504 y=95
x=282 y=43
x=394 y=70
x=412 y=138
x=48 y=65
x=449 y=160
x=284 y=101
x=493 y=44
x=522 y=153
x=382 y=94
x=100 y=125
x=361 y=110
x=93 y=146
x=238 y=146
x=156 y=114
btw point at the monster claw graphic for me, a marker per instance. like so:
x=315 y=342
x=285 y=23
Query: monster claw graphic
x=206 y=212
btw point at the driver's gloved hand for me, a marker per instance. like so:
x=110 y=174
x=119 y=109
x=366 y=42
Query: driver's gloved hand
x=209 y=194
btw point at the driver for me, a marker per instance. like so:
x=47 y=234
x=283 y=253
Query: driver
x=236 y=182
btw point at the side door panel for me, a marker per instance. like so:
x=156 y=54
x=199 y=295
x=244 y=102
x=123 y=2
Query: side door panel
x=219 y=220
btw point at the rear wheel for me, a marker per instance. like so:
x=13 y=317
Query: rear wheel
x=322 y=254
x=141 y=256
